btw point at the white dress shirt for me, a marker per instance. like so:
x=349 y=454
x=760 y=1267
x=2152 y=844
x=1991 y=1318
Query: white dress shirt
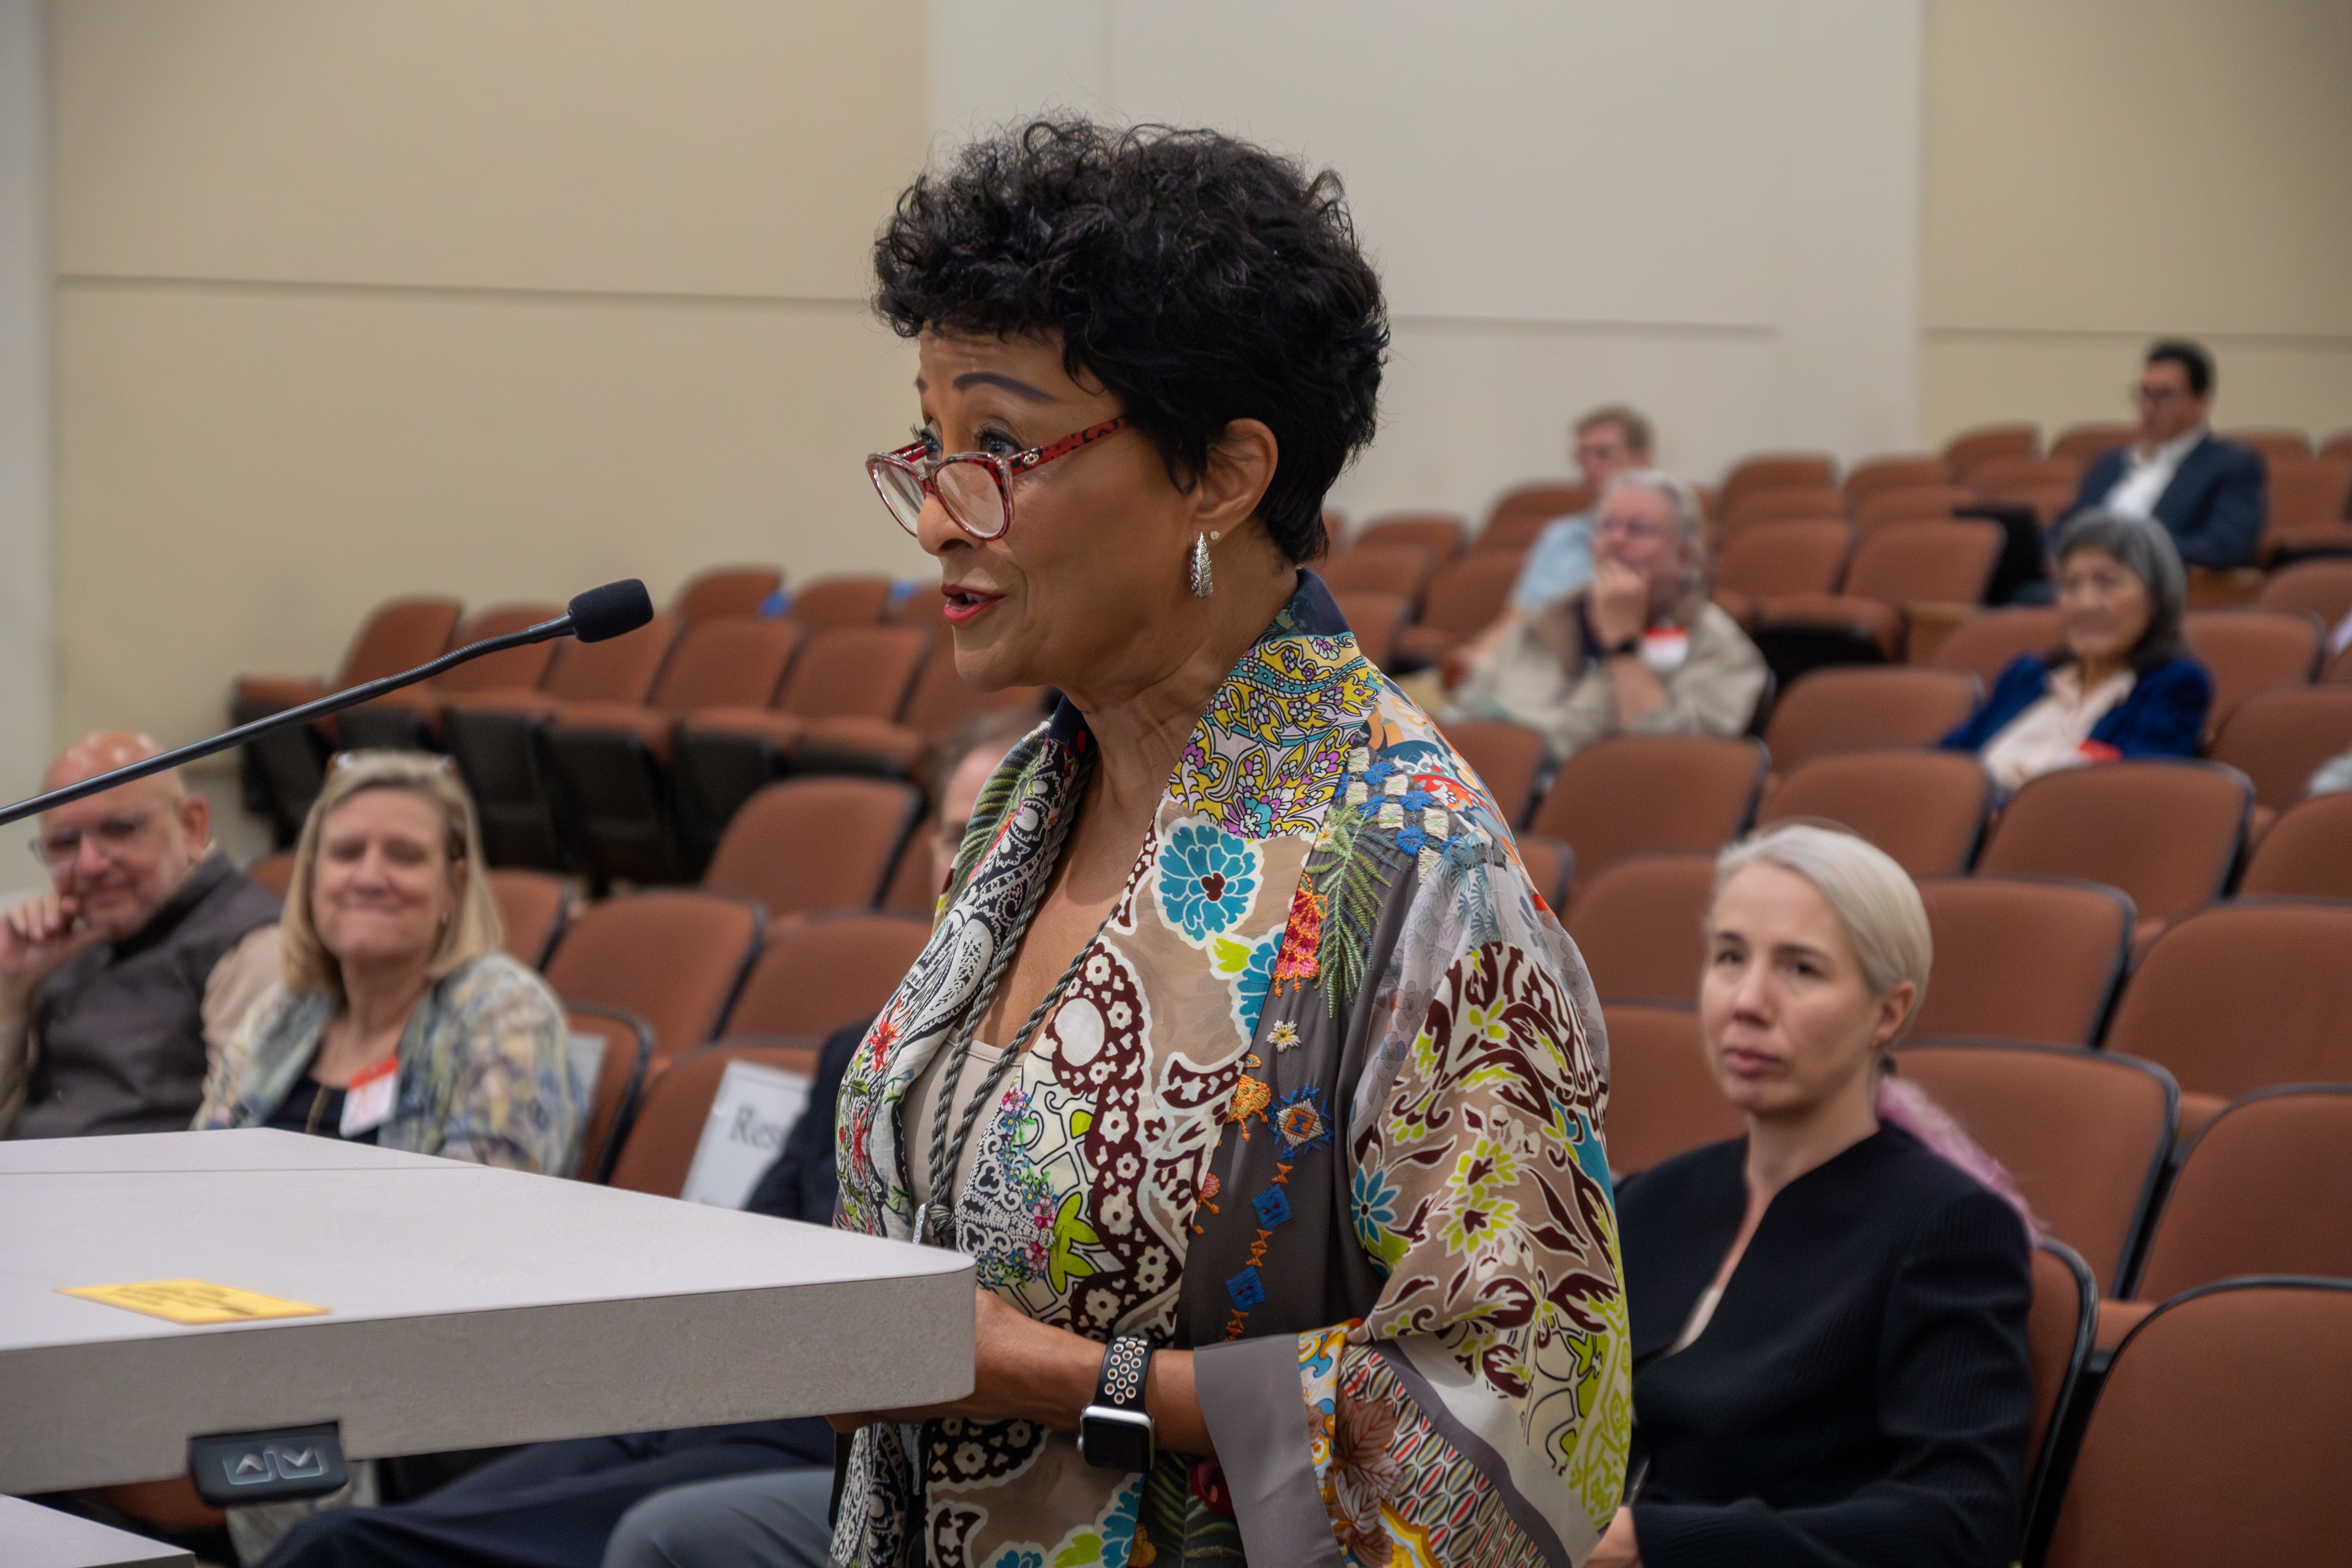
x=2148 y=472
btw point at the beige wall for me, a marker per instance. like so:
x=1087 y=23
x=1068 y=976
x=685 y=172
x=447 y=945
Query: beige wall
x=501 y=298
x=2101 y=171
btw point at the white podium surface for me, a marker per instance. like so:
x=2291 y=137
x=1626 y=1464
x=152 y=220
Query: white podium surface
x=465 y=1307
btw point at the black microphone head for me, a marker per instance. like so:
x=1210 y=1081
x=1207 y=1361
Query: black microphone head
x=609 y=611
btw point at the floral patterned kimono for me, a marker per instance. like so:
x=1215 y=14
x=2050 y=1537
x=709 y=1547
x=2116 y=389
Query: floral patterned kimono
x=1322 y=1102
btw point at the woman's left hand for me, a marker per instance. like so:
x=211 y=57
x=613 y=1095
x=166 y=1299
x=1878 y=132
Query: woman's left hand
x=1618 y=1548
x=1022 y=1369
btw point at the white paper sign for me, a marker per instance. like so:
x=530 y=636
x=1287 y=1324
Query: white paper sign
x=754 y=1109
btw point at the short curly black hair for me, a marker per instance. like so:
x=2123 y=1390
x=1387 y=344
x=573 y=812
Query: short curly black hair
x=1200 y=279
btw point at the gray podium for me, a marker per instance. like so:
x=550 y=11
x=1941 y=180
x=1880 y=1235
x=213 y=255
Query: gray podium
x=465 y=1307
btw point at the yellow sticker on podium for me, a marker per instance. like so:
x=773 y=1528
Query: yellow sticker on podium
x=192 y=1302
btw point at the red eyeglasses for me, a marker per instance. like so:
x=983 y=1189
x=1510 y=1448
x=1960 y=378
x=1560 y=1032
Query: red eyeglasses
x=975 y=486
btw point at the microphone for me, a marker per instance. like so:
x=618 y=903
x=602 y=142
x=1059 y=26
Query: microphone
x=596 y=615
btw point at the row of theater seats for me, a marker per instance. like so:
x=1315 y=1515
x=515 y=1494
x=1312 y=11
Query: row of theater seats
x=626 y=759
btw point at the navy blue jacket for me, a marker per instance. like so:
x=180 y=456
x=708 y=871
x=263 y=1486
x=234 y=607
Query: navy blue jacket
x=2163 y=716
x=2213 y=507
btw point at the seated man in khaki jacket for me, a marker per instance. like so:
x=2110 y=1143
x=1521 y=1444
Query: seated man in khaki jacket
x=118 y=986
x=1640 y=652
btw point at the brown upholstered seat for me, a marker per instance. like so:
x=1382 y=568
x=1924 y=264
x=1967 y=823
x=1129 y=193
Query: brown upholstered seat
x=2265 y=1189
x=1964 y=451
x=1774 y=471
x=673 y=958
x=1925 y=809
x=1639 y=925
x=1663 y=1099
x=274 y=871
x=534 y=907
x=1465 y=596
x=2306 y=499
x=1911 y=503
x=1522 y=513
x=2219 y=1435
x=1876 y=476
x=814 y=843
x=410 y=718
x=2022 y=958
x=2080 y=444
x=1782 y=503
x=2252 y=650
x=2047 y=484
x=1376 y=619
x=2165 y=832
x=821 y=603
x=1862 y=707
x=1900 y=565
x=2242 y=996
x=726 y=591
x=2083 y=1133
x=2307 y=853
x=1393 y=566
x=2323 y=588
x=1632 y=794
x=2058 y=1327
x=2277 y=444
x=658 y=1151
x=1550 y=867
x=1441 y=532
x=626 y=1057
x=1985 y=642
x=1507 y=757
x=2278 y=739
x=820 y=972
x=1766 y=560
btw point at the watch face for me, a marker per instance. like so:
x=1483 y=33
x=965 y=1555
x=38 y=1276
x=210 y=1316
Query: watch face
x=1115 y=1439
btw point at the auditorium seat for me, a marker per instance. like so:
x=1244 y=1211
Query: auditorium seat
x=898 y=748
x=2047 y=484
x=2022 y=958
x=1770 y=560
x=2164 y=833
x=1522 y=513
x=2243 y=996
x=2252 y=650
x=1399 y=566
x=2276 y=444
x=2080 y=444
x=1875 y=476
x=1774 y=471
x=658 y=1152
x=726 y=591
x=853 y=599
x=1633 y=793
x=624 y=1044
x=284 y=770
x=1925 y=809
x=2323 y=588
x=410 y=719
x=820 y=972
x=1441 y=531
x=1964 y=451
x=534 y=907
x=1507 y=757
x=847 y=672
x=1550 y=867
x=1902 y=564
x=672 y=957
x=1375 y=619
x=1864 y=708
x=1782 y=503
x=1911 y=503
x=2084 y=1133
x=811 y=844
x=611 y=761
x=913 y=887
x=2058 y=1333
x=1987 y=642
x=2307 y=853
x=2338 y=446
x=2307 y=510
x=1663 y=1099
x=494 y=735
x=274 y=871
x=1466 y=595
x=1640 y=926
x=2279 y=737
x=2219 y=1435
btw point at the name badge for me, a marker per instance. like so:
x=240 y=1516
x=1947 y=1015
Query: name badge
x=1666 y=649
x=367 y=1103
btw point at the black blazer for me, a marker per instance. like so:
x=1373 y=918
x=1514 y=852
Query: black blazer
x=2214 y=506
x=1862 y=1394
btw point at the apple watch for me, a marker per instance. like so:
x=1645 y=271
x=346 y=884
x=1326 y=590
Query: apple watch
x=1114 y=1432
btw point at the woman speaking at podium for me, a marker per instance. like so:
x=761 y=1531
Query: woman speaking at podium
x=1243 y=1060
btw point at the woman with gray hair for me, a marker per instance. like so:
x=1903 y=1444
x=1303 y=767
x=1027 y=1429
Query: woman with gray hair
x=2119 y=684
x=1828 y=1312
x=1641 y=651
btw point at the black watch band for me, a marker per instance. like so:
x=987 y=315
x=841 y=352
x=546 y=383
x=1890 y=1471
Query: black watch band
x=1115 y=1431
x=1629 y=645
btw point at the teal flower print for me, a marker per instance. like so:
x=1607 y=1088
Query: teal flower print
x=1207 y=878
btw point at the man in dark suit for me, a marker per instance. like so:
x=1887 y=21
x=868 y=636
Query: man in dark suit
x=2210 y=493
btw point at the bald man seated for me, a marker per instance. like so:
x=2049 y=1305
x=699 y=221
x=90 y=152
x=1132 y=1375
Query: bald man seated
x=120 y=986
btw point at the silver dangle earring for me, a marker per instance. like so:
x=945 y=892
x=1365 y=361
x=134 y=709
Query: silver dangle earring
x=1205 y=581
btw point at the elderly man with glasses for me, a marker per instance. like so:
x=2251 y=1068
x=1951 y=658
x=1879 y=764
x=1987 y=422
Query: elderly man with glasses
x=2209 y=493
x=119 y=985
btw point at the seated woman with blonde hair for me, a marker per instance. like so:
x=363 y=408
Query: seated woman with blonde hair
x=1828 y=1313
x=399 y=1022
